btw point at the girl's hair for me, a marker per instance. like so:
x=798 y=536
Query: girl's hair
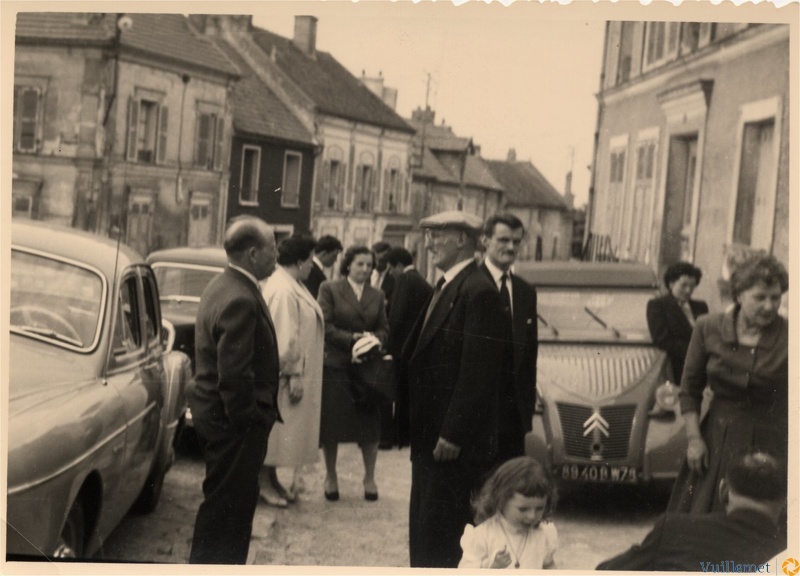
x=524 y=475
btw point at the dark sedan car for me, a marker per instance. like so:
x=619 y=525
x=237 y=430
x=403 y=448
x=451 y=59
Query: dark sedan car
x=95 y=393
x=182 y=275
x=607 y=401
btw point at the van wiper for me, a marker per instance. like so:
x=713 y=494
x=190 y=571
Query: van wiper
x=601 y=322
x=553 y=328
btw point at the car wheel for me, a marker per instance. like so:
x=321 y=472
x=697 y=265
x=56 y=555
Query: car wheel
x=73 y=534
x=151 y=493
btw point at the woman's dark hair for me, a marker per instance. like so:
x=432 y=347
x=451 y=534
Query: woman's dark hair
x=523 y=475
x=759 y=269
x=295 y=249
x=350 y=255
x=675 y=271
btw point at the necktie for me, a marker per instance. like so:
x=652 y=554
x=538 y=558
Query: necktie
x=505 y=295
x=437 y=292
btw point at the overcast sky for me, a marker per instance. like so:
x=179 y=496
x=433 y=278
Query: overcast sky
x=521 y=76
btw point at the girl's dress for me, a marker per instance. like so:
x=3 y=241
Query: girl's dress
x=480 y=543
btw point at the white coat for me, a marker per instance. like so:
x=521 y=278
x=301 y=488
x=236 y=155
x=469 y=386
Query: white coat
x=301 y=340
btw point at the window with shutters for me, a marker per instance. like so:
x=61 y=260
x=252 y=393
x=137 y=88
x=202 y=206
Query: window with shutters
x=616 y=189
x=140 y=217
x=290 y=191
x=336 y=181
x=644 y=189
x=391 y=190
x=364 y=182
x=249 y=176
x=27 y=118
x=209 y=141
x=661 y=43
x=148 y=128
x=199 y=220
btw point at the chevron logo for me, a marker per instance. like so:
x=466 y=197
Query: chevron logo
x=595 y=422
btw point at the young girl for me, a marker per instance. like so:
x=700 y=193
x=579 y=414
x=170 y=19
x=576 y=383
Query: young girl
x=511 y=529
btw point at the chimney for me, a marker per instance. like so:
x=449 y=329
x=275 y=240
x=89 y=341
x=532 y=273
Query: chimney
x=423 y=116
x=305 y=34
x=568 y=190
x=512 y=155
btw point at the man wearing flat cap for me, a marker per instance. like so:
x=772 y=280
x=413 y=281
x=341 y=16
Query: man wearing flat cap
x=453 y=354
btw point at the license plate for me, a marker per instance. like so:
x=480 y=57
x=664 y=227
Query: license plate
x=599 y=473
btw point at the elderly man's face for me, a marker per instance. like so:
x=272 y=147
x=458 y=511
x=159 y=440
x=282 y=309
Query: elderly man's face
x=444 y=247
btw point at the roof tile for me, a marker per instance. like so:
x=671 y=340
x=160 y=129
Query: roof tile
x=525 y=186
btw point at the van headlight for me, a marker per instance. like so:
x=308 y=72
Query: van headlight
x=666 y=397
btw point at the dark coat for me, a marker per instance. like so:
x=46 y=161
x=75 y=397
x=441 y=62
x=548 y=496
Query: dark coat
x=670 y=329
x=453 y=363
x=388 y=288
x=344 y=315
x=525 y=340
x=690 y=542
x=236 y=354
x=315 y=278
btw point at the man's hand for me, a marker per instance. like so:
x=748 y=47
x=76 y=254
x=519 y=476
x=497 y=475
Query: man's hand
x=445 y=451
x=295 y=390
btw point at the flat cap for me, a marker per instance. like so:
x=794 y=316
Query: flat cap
x=453 y=219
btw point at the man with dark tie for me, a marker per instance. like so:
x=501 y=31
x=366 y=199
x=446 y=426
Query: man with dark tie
x=325 y=253
x=502 y=238
x=409 y=296
x=453 y=355
x=234 y=401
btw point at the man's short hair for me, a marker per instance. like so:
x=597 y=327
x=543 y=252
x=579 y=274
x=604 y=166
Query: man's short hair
x=507 y=218
x=381 y=246
x=328 y=243
x=399 y=255
x=243 y=233
x=757 y=475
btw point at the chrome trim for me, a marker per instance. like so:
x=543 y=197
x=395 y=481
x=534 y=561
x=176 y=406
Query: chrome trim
x=103 y=299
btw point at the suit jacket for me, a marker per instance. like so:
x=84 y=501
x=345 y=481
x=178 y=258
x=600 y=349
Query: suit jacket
x=409 y=295
x=236 y=354
x=671 y=330
x=524 y=340
x=690 y=542
x=453 y=362
x=315 y=278
x=344 y=315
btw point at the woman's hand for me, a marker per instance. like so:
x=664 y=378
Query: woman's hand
x=697 y=454
x=501 y=560
x=295 y=390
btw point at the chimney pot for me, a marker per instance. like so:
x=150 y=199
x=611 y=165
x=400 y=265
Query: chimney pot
x=305 y=34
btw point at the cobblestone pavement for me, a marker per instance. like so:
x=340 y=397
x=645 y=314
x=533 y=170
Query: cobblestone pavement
x=593 y=524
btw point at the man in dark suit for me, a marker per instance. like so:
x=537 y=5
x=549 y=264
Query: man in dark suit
x=325 y=253
x=747 y=535
x=502 y=238
x=454 y=354
x=381 y=278
x=234 y=402
x=410 y=293
x=671 y=317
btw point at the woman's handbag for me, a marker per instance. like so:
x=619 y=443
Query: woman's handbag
x=373 y=380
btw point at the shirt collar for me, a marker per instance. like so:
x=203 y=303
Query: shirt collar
x=253 y=279
x=495 y=271
x=453 y=272
x=409 y=267
x=318 y=262
x=357 y=288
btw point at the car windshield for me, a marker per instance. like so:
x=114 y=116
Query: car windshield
x=183 y=282
x=578 y=314
x=57 y=301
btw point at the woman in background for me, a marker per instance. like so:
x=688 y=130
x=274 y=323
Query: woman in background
x=671 y=317
x=301 y=336
x=352 y=309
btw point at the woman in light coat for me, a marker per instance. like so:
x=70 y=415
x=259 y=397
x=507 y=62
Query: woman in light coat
x=301 y=339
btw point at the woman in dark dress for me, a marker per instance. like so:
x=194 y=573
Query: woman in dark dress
x=743 y=354
x=671 y=317
x=351 y=309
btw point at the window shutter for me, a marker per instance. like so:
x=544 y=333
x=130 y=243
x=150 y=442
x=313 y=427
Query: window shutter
x=163 y=127
x=373 y=189
x=324 y=184
x=219 y=143
x=48 y=108
x=133 y=121
x=340 y=191
x=387 y=190
x=202 y=139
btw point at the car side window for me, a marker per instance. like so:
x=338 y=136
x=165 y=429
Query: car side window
x=127 y=334
x=152 y=324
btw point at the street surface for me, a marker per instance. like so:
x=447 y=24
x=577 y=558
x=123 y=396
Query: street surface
x=592 y=525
